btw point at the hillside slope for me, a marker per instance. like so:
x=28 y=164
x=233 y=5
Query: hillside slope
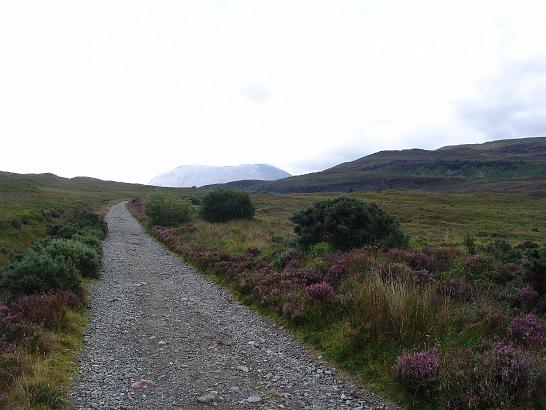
x=505 y=165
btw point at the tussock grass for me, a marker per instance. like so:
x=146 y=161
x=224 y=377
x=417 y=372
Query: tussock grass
x=265 y=233
x=396 y=312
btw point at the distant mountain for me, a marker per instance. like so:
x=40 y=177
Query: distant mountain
x=199 y=175
x=503 y=165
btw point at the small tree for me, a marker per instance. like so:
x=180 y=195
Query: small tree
x=162 y=210
x=347 y=223
x=222 y=205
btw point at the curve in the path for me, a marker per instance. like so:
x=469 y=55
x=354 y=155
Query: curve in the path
x=154 y=318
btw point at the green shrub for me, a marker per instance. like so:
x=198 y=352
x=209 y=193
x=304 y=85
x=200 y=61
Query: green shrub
x=347 y=223
x=65 y=230
x=535 y=270
x=82 y=256
x=16 y=223
x=90 y=239
x=501 y=250
x=194 y=200
x=319 y=249
x=162 y=210
x=80 y=222
x=39 y=271
x=91 y=221
x=224 y=205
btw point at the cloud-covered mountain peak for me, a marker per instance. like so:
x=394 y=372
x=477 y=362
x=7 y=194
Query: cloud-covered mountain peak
x=200 y=175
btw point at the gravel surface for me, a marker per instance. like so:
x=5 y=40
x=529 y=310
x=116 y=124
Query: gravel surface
x=161 y=335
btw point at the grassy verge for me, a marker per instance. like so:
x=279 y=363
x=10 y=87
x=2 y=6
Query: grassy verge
x=43 y=293
x=47 y=379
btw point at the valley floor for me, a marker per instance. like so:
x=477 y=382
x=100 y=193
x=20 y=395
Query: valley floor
x=154 y=318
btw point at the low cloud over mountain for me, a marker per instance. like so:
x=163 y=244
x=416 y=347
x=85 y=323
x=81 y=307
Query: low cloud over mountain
x=199 y=175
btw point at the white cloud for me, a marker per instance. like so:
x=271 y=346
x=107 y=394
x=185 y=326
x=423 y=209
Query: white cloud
x=128 y=89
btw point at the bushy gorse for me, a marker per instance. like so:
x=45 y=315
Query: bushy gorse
x=346 y=223
x=166 y=211
x=224 y=205
x=39 y=271
x=82 y=256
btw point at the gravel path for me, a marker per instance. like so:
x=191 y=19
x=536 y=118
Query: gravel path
x=154 y=318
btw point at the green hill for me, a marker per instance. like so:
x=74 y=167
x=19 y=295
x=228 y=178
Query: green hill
x=516 y=165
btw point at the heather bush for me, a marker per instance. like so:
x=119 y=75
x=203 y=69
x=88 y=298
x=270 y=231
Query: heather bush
x=527 y=331
x=358 y=260
x=223 y=205
x=339 y=268
x=15 y=330
x=492 y=375
x=347 y=223
x=320 y=291
x=82 y=256
x=528 y=296
x=418 y=372
x=296 y=306
x=457 y=289
x=508 y=375
x=48 y=310
x=12 y=365
x=431 y=260
x=493 y=320
x=38 y=272
x=136 y=207
x=162 y=210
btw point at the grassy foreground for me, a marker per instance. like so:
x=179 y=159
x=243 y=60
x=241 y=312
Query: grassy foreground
x=441 y=324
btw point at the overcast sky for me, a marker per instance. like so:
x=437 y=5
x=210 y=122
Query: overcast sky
x=125 y=90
